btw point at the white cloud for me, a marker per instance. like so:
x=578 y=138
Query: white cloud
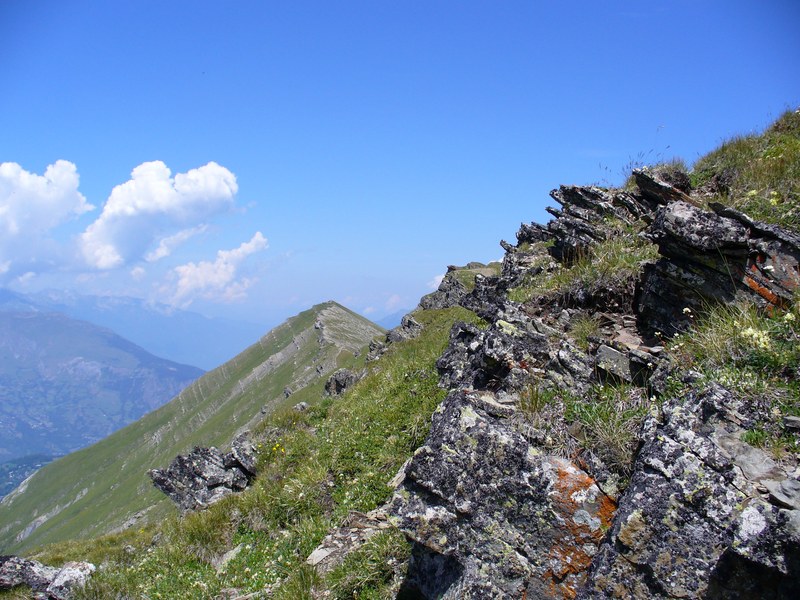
x=434 y=283
x=152 y=202
x=168 y=244
x=216 y=280
x=31 y=206
x=368 y=310
x=138 y=273
x=393 y=303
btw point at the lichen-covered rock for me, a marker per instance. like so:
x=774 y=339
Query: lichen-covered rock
x=449 y=293
x=503 y=519
x=693 y=523
x=71 y=575
x=15 y=571
x=712 y=257
x=341 y=380
x=206 y=475
x=409 y=328
x=53 y=583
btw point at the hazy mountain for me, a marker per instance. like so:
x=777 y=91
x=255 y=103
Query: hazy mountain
x=183 y=336
x=98 y=488
x=65 y=383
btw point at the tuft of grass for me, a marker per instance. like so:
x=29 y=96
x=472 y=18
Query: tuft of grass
x=582 y=328
x=368 y=572
x=673 y=171
x=758 y=174
x=608 y=420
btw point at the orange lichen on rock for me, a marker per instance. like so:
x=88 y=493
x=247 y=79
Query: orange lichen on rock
x=585 y=515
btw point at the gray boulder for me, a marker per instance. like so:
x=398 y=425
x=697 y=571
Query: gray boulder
x=206 y=475
x=693 y=523
x=48 y=582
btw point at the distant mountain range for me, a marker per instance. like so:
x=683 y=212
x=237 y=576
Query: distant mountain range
x=179 y=335
x=65 y=383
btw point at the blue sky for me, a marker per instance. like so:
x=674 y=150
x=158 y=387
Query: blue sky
x=249 y=159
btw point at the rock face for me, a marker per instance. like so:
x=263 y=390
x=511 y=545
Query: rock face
x=47 y=582
x=692 y=523
x=714 y=257
x=206 y=475
x=341 y=380
x=533 y=531
x=504 y=501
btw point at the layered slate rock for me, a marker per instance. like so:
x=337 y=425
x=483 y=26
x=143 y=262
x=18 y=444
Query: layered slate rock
x=206 y=475
x=693 y=522
x=491 y=515
x=713 y=257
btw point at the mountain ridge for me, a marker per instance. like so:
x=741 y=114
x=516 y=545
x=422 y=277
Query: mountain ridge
x=289 y=358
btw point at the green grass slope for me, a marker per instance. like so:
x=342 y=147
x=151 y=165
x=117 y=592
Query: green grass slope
x=97 y=489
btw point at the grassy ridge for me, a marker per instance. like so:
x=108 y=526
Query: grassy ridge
x=93 y=490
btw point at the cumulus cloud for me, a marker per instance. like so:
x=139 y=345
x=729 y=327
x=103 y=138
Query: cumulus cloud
x=434 y=283
x=31 y=206
x=393 y=303
x=151 y=203
x=216 y=280
x=168 y=244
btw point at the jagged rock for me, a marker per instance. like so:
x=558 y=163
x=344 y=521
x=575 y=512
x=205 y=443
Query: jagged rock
x=656 y=188
x=16 y=571
x=490 y=515
x=376 y=349
x=205 y=475
x=409 y=328
x=713 y=257
x=300 y=407
x=243 y=454
x=341 y=380
x=692 y=523
x=449 y=293
x=580 y=222
x=55 y=583
x=614 y=362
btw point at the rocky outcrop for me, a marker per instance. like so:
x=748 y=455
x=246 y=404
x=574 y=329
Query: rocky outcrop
x=206 y=475
x=449 y=293
x=698 y=519
x=46 y=582
x=341 y=380
x=712 y=257
x=505 y=500
x=409 y=328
